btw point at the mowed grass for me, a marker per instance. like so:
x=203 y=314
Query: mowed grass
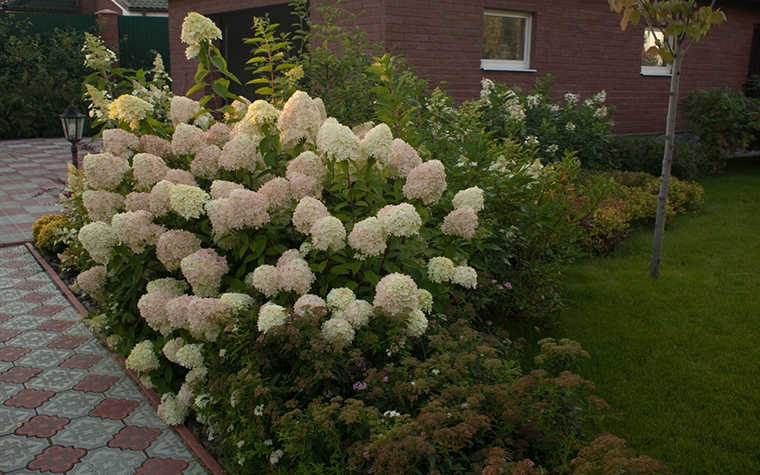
x=679 y=357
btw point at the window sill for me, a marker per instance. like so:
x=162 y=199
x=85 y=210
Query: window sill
x=656 y=72
x=511 y=70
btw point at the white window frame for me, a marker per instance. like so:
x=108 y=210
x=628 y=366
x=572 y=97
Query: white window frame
x=506 y=64
x=665 y=70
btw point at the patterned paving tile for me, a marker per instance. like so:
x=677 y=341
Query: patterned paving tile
x=6 y=335
x=12 y=353
x=71 y=404
x=18 y=308
x=157 y=466
x=5 y=317
x=36 y=297
x=5 y=366
x=9 y=389
x=107 y=365
x=46 y=310
x=42 y=427
x=25 y=322
x=19 y=374
x=19 y=451
x=81 y=361
x=30 y=398
x=88 y=433
x=145 y=415
x=169 y=445
x=96 y=383
x=29 y=285
x=32 y=339
x=23 y=274
x=57 y=379
x=54 y=325
x=109 y=461
x=67 y=342
x=57 y=459
x=194 y=469
x=44 y=358
x=78 y=329
x=116 y=409
x=12 y=294
x=134 y=438
x=92 y=347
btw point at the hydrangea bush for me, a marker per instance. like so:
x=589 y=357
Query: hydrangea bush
x=306 y=289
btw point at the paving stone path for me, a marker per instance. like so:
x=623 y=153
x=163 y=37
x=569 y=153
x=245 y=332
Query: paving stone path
x=66 y=405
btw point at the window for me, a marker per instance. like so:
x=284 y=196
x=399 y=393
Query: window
x=653 y=65
x=506 y=41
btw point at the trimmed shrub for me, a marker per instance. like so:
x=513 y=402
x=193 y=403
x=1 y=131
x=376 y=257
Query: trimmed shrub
x=643 y=153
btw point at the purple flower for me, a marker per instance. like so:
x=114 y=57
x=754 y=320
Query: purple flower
x=508 y=285
x=366 y=455
x=493 y=281
x=360 y=386
x=465 y=405
x=385 y=379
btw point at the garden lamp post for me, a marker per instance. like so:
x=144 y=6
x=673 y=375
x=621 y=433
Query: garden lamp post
x=73 y=127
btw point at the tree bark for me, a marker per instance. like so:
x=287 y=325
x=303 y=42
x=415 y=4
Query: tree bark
x=667 y=160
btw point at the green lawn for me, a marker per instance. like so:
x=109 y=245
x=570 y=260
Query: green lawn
x=679 y=357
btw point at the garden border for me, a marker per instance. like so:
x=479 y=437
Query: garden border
x=190 y=441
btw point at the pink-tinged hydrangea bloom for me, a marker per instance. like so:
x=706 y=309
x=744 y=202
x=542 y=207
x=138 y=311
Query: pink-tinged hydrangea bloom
x=296 y=276
x=104 y=171
x=169 y=285
x=182 y=110
x=440 y=269
x=121 y=143
x=259 y=113
x=304 y=185
x=180 y=177
x=339 y=298
x=271 y=316
x=153 y=309
x=472 y=197
x=358 y=312
x=310 y=305
x=240 y=153
x=171 y=348
x=237 y=302
x=400 y=220
x=307 y=163
x=204 y=269
x=301 y=118
x=396 y=294
x=136 y=229
x=154 y=145
x=202 y=317
x=402 y=159
x=175 y=245
x=307 y=212
x=416 y=323
x=102 y=205
x=378 y=143
x=265 y=279
x=328 y=233
x=338 y=333
x=187 y=139
x=130 y=109
x=287 y=256
x=136 y=201
x=206 y=162
x=425 y=301
x=222 y=189
x=92 y=280
x=426 y=182
x=98 y=239
x=217 y=211
x=148 y=169
x=461 y=222
x=336 y=142
x=465 y=276
x=368 y=237
x=247 y=209
x=188 y=201
x=142 y=358
x=218 y=135
x=160 y=198
x=277 y=190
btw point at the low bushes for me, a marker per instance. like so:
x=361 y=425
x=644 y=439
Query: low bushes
x=643 y=153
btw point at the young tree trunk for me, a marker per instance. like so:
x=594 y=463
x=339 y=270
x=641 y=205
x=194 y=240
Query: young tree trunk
x=667 y=160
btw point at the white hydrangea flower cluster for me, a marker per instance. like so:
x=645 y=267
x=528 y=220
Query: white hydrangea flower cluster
x=271 y=316
x=98 y=239
x=142 y=358
x=197 y=29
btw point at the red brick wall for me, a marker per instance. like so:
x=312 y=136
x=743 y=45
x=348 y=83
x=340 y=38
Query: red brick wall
x=579 y=42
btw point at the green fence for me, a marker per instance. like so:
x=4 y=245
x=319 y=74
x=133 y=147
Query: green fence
x=45 y=22
x=140 y=38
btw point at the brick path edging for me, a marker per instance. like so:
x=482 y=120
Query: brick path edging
x=184 y=433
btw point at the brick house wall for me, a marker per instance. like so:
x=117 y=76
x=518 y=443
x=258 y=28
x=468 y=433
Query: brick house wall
x=579 y=42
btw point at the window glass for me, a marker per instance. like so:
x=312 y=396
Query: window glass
x=504 y=37
x=649 y=41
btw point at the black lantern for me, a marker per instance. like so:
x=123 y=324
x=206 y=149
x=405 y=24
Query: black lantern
x=73 y=127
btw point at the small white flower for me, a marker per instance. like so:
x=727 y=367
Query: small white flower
x=391 y=414
x=436 y=372
x=275 y=456
x=240 y=443
x=259 y=410
x=268 y=442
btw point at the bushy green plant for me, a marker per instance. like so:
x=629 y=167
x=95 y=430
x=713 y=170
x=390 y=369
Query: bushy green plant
x=39 y=78
x=643 y=153
x=724 y=120
x=48 y=230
